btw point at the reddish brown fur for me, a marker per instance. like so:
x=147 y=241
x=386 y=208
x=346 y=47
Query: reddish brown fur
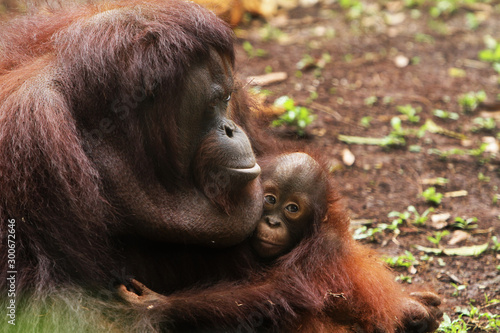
x=64 y=71
x=59 y=70
x=328 y=280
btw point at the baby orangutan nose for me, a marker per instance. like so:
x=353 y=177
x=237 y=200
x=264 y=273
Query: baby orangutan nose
x=272 y=222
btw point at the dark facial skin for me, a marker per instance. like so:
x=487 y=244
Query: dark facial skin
x=205 y=109
x=223 y=208
x=289 y=194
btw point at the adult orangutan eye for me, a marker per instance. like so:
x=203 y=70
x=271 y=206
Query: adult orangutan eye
x=292 y=208
x=227 y=99
x=270 y=199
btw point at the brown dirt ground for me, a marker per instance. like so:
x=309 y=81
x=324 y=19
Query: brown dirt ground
x=390 y=179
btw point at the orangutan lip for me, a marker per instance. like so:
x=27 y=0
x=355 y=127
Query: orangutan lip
x=268 y=242
x=252 y=171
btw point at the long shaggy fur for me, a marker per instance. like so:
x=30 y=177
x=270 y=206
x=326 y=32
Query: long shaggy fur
x=61 y=69
x=68 y=69
x=327 y=282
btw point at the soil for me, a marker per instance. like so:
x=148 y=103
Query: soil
x=443 y=65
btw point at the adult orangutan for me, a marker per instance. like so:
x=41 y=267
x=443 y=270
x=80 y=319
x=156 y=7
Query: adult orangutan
x=115 y=125
x=322 y=280
x=116 y=142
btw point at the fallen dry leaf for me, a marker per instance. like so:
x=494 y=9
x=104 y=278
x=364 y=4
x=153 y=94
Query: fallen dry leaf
x=456 y=194
x=267 y=79
x=439 y=221
x=458 y=236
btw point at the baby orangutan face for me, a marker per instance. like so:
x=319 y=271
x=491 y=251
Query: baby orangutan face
x=291 y=191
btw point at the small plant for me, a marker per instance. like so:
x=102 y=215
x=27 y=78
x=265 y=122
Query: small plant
x=443 y=7
x=458 y=289
x=400 y=217
x=482 y=320
x=369 y=101
x=445 y=114
x=465 y=224
x=470 y=101
x=489 y=301
x=420 y=219
x=404 y=278
x=410 y=112
x=269 y=33
x=405 y=216
x=406 y=260
x=346 y=4
x=496 y=244
x=487 y=124
x=309 y=61
x=430 y=195
x=455 y=326
x=397 y=128
x=366 y=121
x=495 y=198
x=387 y=100
x=355 y=8
x=253 y=52
x=423 y=38
x=478 y=151
x=438 y=235
x=472 y=21
x=482 y=178
x=312 y=97
x=491 y=53
x=295 y=116
x=366 y=233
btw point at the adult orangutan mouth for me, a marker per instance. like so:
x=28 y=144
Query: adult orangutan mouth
x=251 y=173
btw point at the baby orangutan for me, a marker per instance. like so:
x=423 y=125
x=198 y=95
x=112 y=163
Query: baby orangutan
x=300 y=271
x=291 y=191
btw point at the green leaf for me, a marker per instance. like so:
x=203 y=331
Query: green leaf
x=486 y=55
x=432 y=250
x=466 y=251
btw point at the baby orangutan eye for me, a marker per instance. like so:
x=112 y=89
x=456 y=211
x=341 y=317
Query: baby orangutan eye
x=292 y=208
x=270 y=199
